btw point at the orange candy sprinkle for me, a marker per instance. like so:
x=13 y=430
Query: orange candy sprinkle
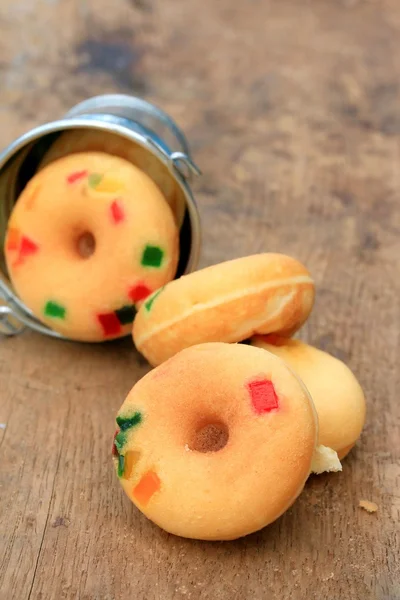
x=13 y=238
x=30 y=199
x=147 y=486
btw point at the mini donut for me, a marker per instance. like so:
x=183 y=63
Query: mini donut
x=217 y=442
x=93 y=140
x=89 y=238
x=227 y=302
x=337 y=395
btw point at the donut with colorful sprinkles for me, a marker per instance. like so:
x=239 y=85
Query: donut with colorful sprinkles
x=228 y=302
x=89 y=239
x=217 y=442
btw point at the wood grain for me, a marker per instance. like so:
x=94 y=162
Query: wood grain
x=293 y=112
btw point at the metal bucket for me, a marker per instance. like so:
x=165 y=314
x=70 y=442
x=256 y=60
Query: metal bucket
x=122 y=125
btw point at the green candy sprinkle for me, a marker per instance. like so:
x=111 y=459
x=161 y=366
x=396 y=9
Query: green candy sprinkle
x=149 y=303
x=125 y=423
x=121 y=465
x=126 y=314
x=54 y=310
x=120 y=441
x=152 y=256
x=94 y=179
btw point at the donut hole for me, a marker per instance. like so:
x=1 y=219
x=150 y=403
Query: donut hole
x=209 y=437
x=86 y=244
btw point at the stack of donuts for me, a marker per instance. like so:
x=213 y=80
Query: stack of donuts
x=219 y=439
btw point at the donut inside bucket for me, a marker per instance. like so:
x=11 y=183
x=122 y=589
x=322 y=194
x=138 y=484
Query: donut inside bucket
x=36 y=150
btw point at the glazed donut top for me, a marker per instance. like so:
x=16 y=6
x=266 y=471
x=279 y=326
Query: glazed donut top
x=217 y=442
x=88 y=239
x=227 y=302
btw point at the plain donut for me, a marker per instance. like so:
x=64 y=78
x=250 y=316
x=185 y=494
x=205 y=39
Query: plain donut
x=227 y=302
x=337 y=395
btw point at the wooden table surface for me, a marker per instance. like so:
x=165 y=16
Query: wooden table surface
x=293 y=112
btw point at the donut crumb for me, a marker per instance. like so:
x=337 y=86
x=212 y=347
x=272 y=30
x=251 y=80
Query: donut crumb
x=325 y=460
x=369 y=506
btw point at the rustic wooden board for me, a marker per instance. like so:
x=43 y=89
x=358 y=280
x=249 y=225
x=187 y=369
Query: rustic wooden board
x=293 y=111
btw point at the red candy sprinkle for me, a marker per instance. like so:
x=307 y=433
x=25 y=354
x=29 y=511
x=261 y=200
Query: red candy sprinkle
x=76 y=176
x=263 y=396
x=27 y=247
x=114 y=448
x=117 y=211
x=138 y=292
x=109 y=323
